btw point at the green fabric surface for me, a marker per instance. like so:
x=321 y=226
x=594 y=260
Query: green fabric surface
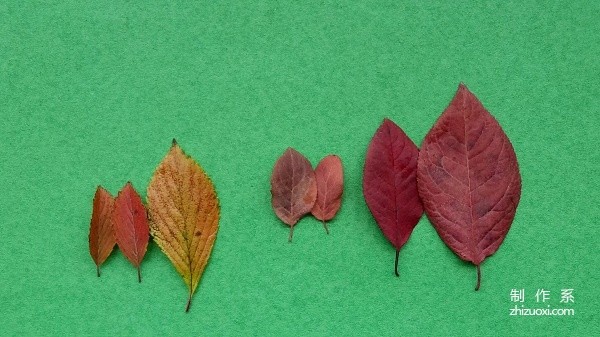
x=91 y=93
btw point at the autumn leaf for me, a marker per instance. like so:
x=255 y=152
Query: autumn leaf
x=469 y=179
x=102 y=235
x=131 y=226
x=293 y=188
x=329 y=176
x=390 y=184
x=184 y=210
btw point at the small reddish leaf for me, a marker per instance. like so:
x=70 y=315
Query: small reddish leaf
x=293 y=188
x=102 y=235
x=469 y=179
x=131 y=226
x=390 y=184
x=329 y=175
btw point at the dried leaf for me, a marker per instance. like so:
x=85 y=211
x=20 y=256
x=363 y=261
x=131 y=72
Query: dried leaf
x=469 y=179
x=184 y=210
x=131 y=226
x=293 y=188
x=102 y=235
x=390 y=184
x=329 y=175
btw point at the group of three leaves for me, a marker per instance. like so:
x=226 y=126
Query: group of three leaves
x=465 y=177
x=182 y=215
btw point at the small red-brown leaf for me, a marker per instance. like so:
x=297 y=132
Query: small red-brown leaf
x=102 y=235
x=390 y=184
x=131 y=226
x=469 y=179
x=293 y=188
x=329 y=175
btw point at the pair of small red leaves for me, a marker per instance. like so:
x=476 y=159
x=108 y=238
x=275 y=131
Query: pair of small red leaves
x=466 y=176
x=297 y=189
x=122 y=220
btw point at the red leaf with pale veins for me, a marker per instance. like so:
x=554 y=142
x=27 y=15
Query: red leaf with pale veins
x=293 y=188
x=329 y=175
x=390 y=184
x=102 y=235
x=469 y=179
x=131 y=226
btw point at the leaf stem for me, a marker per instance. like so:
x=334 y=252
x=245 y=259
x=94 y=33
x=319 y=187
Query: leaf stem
x=139 y=275
x=478 y=278
x=98 y=271
x=189 y=302
x=291 y=233
x=325 y=225
x=396 y=263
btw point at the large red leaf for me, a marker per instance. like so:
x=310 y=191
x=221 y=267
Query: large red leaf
x=102 y=234
x=329 y=175
x=131 y=226
x=293 y=188
x=469 y=179
x=390 y=184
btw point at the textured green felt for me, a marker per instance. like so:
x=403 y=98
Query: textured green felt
x=92 y=93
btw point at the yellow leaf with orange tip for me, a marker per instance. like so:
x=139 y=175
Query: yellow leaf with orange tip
x=184 y=213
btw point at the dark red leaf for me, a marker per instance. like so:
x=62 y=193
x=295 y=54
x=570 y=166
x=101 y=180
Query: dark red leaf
x=390 y=184
x=329 y=175
x=102 y=234
x=469 y=179
x=131 y=226
x=293 y=188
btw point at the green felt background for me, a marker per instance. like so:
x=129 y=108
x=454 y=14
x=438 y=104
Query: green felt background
x=92 y=93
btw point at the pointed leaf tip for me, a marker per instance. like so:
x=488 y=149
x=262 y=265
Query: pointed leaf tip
x=463 y=91
x=174 y=142
x=291 y=150
x=469 y=178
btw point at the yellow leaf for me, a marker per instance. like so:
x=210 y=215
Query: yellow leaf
x=184 y=212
